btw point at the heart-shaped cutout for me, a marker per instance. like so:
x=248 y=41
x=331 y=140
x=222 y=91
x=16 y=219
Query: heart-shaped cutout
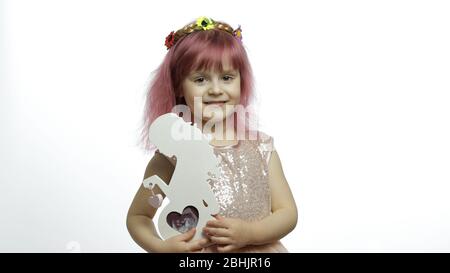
x=155 y=200
x=185 y=221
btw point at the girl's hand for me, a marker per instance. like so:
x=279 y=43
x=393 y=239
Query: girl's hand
x=181 y=243
x=229 y=233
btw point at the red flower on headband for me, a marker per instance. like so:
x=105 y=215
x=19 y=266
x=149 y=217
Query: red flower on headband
x=170 y=40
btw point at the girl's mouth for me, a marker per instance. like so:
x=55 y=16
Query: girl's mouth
x=219 y=103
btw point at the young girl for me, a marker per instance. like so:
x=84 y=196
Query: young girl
x=207 y=68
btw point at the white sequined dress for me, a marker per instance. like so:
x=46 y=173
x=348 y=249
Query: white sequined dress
x=242 y=189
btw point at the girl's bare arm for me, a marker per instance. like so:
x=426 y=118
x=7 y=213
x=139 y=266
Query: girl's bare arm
x=284 y=210
x=140 y=214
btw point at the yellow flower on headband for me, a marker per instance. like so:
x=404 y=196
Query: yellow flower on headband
x=205 y=23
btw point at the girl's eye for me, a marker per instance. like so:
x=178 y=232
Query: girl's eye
x=203 y=79
x=199 y=80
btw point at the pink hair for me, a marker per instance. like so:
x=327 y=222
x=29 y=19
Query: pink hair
x=202 y=50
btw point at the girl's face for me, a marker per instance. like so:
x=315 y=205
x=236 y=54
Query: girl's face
x=215 y=93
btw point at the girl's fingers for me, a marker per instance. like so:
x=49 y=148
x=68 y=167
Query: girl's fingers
x=187 y=235
x=221 y=232
x=221 y=240
x=217 y=224
x=226 y=248
x=218 y=217
x=198 y=244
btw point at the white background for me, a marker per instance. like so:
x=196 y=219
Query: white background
x=355 y=93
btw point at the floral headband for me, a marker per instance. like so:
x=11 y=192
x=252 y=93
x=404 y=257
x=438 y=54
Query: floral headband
x=202 y=23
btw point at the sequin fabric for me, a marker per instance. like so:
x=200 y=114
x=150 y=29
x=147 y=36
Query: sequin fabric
x=242 y=187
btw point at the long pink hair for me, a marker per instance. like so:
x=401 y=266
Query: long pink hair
x=202 y=50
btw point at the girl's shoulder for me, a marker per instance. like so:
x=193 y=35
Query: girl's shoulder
x=265 y=145
x=159 y=165
x=171 y=160
x=264 y=141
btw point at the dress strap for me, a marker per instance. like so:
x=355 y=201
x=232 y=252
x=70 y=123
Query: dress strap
x=266 y=146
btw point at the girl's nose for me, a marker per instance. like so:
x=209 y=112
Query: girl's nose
x=215 y=89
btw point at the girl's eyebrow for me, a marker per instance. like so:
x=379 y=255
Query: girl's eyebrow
x=206 y=72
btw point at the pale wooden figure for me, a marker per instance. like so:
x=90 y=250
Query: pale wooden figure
x=188 y=187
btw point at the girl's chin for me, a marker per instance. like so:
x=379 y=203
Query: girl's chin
x=215 y=116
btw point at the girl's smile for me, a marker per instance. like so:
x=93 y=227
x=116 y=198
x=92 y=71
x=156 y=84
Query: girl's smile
x=220 y=103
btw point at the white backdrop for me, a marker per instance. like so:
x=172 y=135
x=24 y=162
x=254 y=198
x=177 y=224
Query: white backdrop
x=355 y=93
